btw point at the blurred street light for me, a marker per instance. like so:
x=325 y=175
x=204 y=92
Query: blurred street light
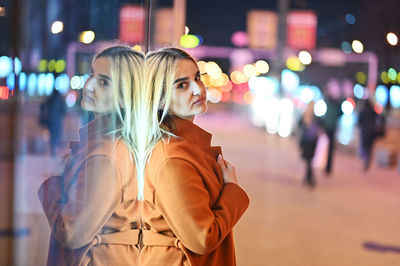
x=392 y=38
x=87 y=37
x=305 y=57
x=357 y=46
x=57 y=27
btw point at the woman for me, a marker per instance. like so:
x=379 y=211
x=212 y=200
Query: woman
x=191 y=194
x=91 y=205
x=308 y=141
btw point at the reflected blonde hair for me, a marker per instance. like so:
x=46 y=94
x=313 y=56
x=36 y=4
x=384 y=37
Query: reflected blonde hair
x=155 y=120
x=127 y=74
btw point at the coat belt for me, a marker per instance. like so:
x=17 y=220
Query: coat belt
x=150 y=238
x=130 y=237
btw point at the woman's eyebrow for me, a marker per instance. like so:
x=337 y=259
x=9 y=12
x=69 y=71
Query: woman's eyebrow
x=180 y=79
x=105 y=77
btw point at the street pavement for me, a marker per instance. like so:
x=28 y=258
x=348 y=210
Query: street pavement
x=350 y=218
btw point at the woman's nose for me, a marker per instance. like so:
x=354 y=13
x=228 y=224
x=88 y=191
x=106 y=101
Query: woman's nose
x=196 y=90
x=89 y=84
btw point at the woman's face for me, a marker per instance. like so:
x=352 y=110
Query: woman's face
x=189 y=96
x=98 y=90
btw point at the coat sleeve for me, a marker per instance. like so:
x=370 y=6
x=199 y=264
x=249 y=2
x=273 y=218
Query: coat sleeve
x=88 y=202
x=185 y=204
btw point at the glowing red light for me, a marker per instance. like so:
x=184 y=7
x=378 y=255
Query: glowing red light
x=352 y=102
x=4 y=92
x=378 y=108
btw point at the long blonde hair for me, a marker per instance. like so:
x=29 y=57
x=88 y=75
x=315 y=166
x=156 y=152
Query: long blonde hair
x=156 y=98
x=127 y=72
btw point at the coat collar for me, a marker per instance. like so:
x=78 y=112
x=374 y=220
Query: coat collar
x=191 y=132
x=94 y=130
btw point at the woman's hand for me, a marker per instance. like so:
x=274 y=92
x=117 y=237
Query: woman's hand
x=228 y=171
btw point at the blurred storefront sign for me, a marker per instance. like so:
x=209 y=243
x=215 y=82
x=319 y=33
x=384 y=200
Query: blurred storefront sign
x=262 y=29
x=132 y=23
x=301 y=30
x=164 y=26
x=331 y=57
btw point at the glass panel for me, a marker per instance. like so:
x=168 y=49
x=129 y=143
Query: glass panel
x=46 y=53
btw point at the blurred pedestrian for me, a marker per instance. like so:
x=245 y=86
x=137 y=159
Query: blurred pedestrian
x=91 y=200
x=371 y=127
x=329 y=122
x=308 y=141
x=51 y=116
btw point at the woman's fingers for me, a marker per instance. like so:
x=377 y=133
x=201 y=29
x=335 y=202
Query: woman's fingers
x=221 y=161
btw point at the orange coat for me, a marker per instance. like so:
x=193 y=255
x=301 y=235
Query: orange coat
x=188 y=212
x=92 y=208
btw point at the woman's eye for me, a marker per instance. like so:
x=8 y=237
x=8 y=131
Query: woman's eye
x=103 y=82
x=182 y=85
x=197 y=78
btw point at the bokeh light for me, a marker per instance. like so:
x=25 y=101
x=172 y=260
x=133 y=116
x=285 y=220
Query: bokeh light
x=262 y=67
x=17 y=65
x=392 y=38
x=350 y=18
x=214 y=95
x=51 y=66
x=23 y=81
x=250 y=71
x=361 y=77
x=346 y=47
x=75 y=82
x=290 y=80
x=213 y=70
x=320 y=108
x=62 y=83
x=70 y=100
x=392 y=74
x=57 y=27
x=357 y=46
x=385 y=77
x=5 y=66
x=294 y=64
x=10 y=81
x=239 y=38
x=395 y=96
x=202 y=66
x=87 y=37
x=358 y=91
x=189 y=41
x=305 y=57
x=42 y=66
x=381 y=95
x=60 y=66
x=347 y=107
x=32 y=83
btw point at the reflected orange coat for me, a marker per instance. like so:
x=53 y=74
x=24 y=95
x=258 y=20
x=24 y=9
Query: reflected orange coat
x=92 y=208
x=188 y=212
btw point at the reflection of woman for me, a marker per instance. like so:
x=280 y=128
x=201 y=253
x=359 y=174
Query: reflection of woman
x=191 y=194
x=91 y=207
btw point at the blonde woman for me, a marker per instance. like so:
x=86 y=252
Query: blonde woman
x=91 y=205
x=192 y=199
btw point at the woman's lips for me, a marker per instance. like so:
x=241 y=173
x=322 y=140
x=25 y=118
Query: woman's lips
x=200 y=100
x=88 y=98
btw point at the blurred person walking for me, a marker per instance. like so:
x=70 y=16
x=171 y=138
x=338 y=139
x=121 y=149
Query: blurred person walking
x=329 y=122
x=308 y=141
x=192 y=199
x=51 y=116
x=371 y=127
x=91 y=200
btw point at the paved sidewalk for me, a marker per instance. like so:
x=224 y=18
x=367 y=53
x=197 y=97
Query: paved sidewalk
x=351 y=218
